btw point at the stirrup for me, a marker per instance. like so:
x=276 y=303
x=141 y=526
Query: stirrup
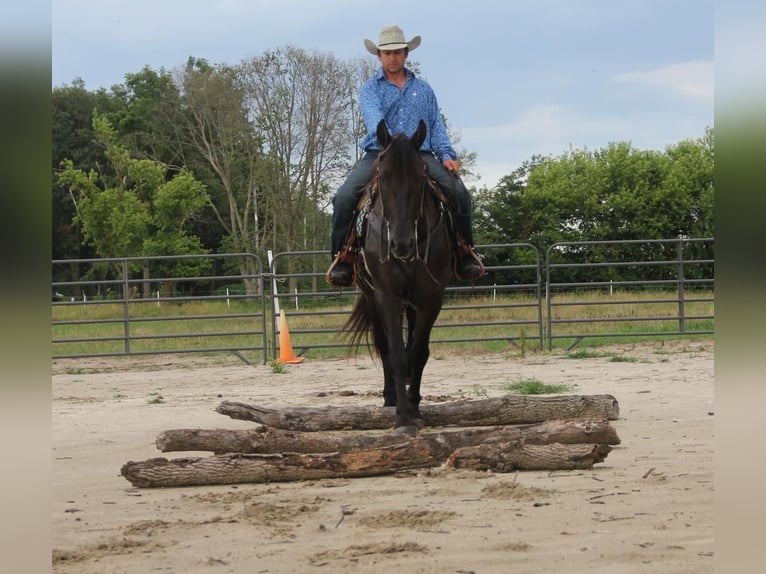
x=467 y=252
x=344 y=258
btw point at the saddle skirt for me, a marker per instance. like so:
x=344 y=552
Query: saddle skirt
x=368 y=225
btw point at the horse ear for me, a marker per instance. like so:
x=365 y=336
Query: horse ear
x=420 y=135
x=383 y=136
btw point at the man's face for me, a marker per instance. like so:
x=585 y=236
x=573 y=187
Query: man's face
x=393 y=60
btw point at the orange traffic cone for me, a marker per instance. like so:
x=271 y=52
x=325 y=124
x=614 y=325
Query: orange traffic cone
x=286 y=354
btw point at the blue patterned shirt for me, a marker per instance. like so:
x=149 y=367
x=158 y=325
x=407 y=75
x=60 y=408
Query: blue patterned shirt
x=402 y=110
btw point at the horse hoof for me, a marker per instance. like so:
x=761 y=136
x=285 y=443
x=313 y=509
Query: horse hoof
x=409 y=430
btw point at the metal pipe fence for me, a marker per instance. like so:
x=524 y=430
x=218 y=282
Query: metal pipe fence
x=228 y=303
x=157 y=305
x=498 y=307
x=592 y=295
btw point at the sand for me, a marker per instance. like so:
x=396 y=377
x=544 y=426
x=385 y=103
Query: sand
x=647 y=508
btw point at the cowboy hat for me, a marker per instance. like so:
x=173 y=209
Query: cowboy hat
x=391 y=38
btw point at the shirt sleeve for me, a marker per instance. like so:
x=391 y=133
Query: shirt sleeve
x=440 y=141
x=370 y=106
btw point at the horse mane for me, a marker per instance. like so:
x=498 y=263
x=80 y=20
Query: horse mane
x=404 y=157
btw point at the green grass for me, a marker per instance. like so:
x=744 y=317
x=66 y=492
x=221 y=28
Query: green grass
x=622 y=359
x=535 y=387
x=478 y=391
x=278 y=368
x=155 y=399
x=586 y=354
x=511 y=320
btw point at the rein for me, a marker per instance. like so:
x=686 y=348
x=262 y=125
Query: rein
x=385 y=247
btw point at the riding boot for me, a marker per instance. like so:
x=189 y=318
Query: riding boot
x=469 y=264
x=341 y=271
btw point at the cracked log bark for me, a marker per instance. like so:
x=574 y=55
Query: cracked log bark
x=507 y=410
x=267 y=440
x=508 y=457
x=411 y=453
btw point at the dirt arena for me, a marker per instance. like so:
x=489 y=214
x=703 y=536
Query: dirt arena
x=647 y=508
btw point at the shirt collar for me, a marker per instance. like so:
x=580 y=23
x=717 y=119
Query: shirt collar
x=379 y=75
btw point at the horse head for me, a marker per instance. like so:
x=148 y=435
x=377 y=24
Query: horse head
x=401 y=185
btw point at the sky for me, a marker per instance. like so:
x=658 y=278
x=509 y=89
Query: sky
x=515 y=78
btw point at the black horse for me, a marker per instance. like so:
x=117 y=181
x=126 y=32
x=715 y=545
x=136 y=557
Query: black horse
x=404 y=265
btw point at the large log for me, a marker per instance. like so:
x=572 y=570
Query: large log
x=418 y=452
x=265 y=440
x=507 y=410
x=260 y=468
x=508 y=457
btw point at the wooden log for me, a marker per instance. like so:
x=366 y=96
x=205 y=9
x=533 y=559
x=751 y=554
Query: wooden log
x=260 y=468
x=512 y=456
x=507 y=410
x=409 y=454
x=266 y=440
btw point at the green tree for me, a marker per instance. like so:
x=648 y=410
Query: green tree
x=137 y=212
x=148 y=118
x=242 y=178
x=615 y=193
x=299 y=104
x=72 y=137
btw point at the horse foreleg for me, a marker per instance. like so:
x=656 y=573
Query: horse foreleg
x=399 y=372
x=396 y=367
x=390 y=345
x=389 y=388
x=418 y=353
x=413 y=391
x=380 y=340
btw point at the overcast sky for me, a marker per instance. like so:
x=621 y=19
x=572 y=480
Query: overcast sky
x=514 y=78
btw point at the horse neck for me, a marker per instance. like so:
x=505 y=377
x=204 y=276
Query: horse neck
x=400 y=200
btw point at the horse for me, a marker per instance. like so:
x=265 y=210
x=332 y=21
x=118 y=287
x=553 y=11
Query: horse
x=403 y=267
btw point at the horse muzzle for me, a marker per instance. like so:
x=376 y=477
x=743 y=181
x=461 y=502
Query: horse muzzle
x=403 y=249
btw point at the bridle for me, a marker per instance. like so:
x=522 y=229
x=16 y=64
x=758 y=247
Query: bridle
x=426 y=185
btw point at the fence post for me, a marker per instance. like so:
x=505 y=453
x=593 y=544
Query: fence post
x=681 y=305
x=126 y=309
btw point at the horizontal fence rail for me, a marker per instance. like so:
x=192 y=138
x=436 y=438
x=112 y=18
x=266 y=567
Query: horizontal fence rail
x=499 y=307
x=229 y=303
x=581 y=297
x=158 y=305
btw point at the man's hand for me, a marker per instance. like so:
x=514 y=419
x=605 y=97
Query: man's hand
x=452 y=166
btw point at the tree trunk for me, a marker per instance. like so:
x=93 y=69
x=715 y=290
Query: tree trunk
x=507 y=410
x=410 y=453
x=266 y=440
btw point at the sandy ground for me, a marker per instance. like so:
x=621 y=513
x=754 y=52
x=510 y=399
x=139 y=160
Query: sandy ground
x=647 y=508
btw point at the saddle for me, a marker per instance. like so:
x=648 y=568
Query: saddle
x=367 y=225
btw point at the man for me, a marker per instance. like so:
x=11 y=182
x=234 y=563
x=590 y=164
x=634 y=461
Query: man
x=396 y=95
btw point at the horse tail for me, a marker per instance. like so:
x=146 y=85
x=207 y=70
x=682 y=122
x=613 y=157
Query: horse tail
x=363 y=327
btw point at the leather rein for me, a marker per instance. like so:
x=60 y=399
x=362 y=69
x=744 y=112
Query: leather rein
x=426 y=184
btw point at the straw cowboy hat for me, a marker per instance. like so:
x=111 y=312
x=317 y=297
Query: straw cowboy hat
x=391 y=38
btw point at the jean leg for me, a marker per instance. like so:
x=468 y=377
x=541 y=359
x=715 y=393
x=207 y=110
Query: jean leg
x=347 y=197
x=456 y=191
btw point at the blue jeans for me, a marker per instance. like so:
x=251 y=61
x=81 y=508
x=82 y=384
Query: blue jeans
x=347 y=197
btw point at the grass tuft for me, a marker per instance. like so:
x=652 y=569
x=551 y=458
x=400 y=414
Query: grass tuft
x=586 y=354
x=155 y=399
x=622 y=359
x=278 y=368
x=535 y=387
